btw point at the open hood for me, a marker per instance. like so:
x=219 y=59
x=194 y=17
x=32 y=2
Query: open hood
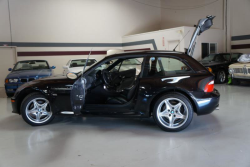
x=203 y=25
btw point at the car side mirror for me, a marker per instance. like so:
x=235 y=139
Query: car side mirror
x=53 y=67
x=65 y=67
x=10 y=69
x=71 y=75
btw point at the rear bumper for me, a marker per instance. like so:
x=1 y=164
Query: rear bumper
x=209 y=104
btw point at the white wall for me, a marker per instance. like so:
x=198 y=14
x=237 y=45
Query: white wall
x=107 y=21
x=177 y=13
x=164 y=37
x=77 y=20
x=209 y=36
x=239 y=22
x=161 y=38
x=74 y=21
x=4 y=22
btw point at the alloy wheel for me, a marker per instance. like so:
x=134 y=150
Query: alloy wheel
x=222 y=76
x=172 y=113
x=38 y=110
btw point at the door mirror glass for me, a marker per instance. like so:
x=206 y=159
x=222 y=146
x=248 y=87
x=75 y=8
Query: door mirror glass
x=71 y=75
x=53 y=67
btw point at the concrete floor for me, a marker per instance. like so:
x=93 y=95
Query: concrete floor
x=219 y=139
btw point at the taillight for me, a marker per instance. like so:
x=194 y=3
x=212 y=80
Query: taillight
x=209 y=87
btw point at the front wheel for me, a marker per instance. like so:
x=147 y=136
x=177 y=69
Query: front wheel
x=221 y=77
x=36 y=110
x=173 y=112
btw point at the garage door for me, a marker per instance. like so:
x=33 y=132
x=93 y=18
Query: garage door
x=7 y=59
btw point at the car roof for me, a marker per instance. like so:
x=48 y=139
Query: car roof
x=31 y=60
x=83 y=59
x=228 y=53
x=143 y=52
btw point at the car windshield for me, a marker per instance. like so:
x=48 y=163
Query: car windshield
x=31 y=65
x=209 y=58
x=81 y=63
x=217 y=57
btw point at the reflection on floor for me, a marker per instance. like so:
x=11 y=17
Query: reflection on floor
x=219 y=139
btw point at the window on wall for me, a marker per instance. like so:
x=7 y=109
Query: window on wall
x=163 y=66
x=213 y=48
x=208 y=48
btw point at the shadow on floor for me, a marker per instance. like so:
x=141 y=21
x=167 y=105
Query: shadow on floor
x=201 y=125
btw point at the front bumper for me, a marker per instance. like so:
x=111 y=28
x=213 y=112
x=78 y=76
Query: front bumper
x=208 y=104
x=12 y=87
x=14 y=106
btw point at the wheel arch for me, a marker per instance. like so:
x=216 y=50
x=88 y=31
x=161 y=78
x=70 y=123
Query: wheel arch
x=179 y=91
x=21 y=96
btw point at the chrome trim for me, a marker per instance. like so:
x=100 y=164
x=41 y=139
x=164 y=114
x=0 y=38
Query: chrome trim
x=67 y=112
x=174 y=79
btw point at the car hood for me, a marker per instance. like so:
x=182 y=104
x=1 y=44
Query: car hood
x=29 y=73
x=210 y=63
x=239 y=65
x=48 y=82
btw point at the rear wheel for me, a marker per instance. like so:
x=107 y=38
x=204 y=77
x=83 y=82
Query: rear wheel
x=173 y=112
x=36 y=110
x=221 y=77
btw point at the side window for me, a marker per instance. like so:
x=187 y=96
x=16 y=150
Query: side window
x=235 y=57
x=162 y=66
x=103 y=66
x=219 y=58
x=227 y=57
x=128 y=64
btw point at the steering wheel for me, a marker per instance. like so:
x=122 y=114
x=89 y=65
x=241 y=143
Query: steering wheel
x=106 y=76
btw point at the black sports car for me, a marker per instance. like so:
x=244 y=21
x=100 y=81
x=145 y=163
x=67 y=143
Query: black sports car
x=219 y=64
x=170 y=86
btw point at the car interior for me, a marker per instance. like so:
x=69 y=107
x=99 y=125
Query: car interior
x=114 y=82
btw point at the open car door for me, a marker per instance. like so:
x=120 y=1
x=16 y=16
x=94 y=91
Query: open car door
x=77 y=95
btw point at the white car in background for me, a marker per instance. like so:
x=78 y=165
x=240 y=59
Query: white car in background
x=77 y=65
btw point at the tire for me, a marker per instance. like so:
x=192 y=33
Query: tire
x=235 y=81
x=180 y=107
x=36 y=110
x=221 y=77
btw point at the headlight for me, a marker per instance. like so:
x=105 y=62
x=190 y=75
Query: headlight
x=231 y=71
x=13 y=80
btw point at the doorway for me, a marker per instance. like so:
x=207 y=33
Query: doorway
x=7 y=60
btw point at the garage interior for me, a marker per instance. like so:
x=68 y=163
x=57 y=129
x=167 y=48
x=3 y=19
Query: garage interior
x=58 y=31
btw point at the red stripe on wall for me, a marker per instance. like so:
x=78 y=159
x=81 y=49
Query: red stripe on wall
x=242 y=46
x=60 y=53
x=69 y=53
